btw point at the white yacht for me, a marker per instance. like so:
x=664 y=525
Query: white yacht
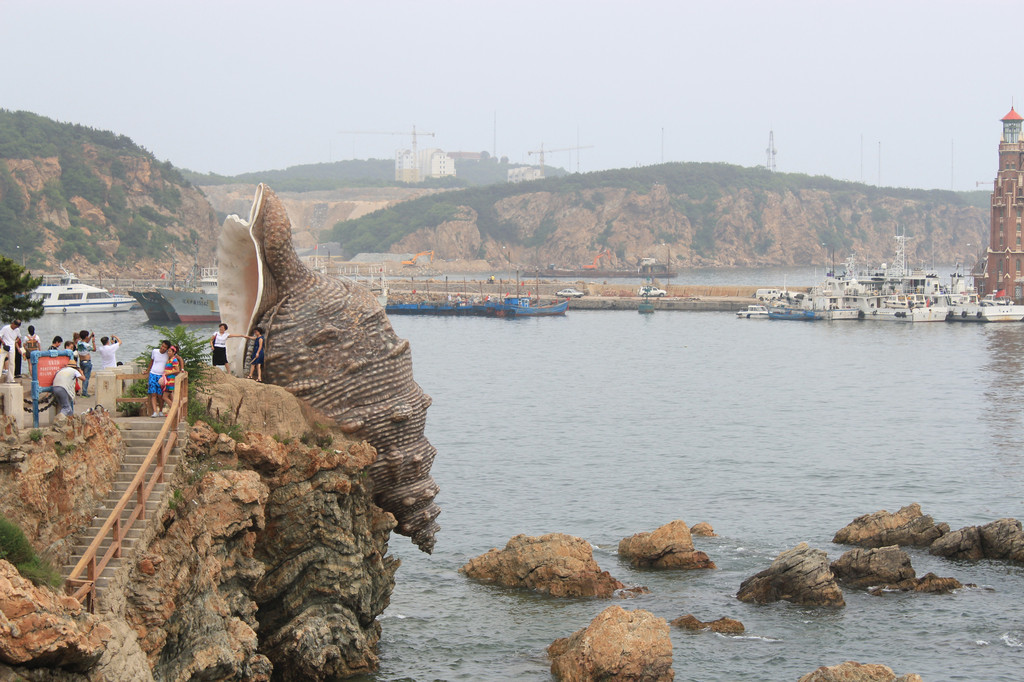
x=65 y=294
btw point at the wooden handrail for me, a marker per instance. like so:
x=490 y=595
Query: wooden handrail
x=141 y=487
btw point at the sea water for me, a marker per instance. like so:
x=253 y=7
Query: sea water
x=604 y=424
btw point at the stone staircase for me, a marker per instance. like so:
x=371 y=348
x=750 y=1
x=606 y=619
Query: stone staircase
x=139 y=433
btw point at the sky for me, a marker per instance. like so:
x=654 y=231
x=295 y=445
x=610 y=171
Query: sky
x=902 y=93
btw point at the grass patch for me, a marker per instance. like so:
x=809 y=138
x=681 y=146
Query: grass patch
x=15 y=548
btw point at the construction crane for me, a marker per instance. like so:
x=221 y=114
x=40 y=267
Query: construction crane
x=542 y=151
x=415 y=134
x=412 y=261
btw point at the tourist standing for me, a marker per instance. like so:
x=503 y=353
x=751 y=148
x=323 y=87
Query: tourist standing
x=86 y=345
x=64 y=387
x=219 y=344
x=171 y=370
x=108 y=351
x=257 y=352
x=10 y=339
x=154 y=391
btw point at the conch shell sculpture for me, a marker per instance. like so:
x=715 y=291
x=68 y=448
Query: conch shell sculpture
x=329 y=342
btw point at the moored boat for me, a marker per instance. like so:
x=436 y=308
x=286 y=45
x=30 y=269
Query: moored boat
x=510 y=307
x=68 y=295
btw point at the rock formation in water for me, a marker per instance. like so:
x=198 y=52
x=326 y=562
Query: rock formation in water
x=908 y=528
x=703 y=530
x=329 y=342
x=617 y=645
x=887 y=568
x=725 y=626
x=1001 y=540
x=669 y=546
x=556 y=564
x=800 y=575
x=852 y=671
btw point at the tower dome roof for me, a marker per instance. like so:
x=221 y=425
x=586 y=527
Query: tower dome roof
x=1012 y=116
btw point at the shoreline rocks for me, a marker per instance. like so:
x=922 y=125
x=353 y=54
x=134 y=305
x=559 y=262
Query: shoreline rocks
x=669 y=546
x=557 y=564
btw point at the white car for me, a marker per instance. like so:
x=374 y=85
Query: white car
x=651 y=291
x=570 y=293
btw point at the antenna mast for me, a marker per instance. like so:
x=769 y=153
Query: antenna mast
x=771 y=151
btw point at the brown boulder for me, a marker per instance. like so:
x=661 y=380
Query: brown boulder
x=887 y=568
x=557 y=564
x=851 y=671
x=670 y=546
x=41 y=628
x=1002 y=540
x=876 y=566
x=800 y=575
x=908 y=527
x=617 y=645
x=703 y=529
x=726 y=626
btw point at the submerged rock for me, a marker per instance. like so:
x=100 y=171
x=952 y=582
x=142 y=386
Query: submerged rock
x=800 y=575
x=670 y=546
x=617 y=645
x=908 y=528
x=852 y=671
x=1000 y=540
x=726 y=626
x=556 y=564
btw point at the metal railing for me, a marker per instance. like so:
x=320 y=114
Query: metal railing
x=140 y=489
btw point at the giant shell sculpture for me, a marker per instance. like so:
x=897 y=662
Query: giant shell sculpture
x=329 y=342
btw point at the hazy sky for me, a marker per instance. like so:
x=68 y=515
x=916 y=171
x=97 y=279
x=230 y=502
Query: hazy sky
x=909 y=92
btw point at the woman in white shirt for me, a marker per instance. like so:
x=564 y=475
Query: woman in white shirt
x=218 y=342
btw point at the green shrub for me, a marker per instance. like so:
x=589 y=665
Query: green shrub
x=15 y=548
x=35 y=435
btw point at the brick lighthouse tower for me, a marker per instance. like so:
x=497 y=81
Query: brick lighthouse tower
x=1003 y=269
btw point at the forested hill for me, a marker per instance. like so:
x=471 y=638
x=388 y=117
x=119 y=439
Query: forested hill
x=697 y=214
x=94 y=201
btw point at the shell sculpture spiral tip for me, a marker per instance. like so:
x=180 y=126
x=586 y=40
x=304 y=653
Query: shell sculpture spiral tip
x=329 y=342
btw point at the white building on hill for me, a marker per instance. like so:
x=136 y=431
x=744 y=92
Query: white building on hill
x=432 y=163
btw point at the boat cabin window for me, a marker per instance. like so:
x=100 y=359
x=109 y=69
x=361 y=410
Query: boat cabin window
x=69 y=297
x=97 y=294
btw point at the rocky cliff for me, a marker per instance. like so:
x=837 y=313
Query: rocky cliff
x=740 y=226
x=95 y=202
x=270 y=562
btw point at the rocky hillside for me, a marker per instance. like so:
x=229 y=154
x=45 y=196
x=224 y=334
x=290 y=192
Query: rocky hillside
x=269 y=561
x=96 y=202
x=692 y=214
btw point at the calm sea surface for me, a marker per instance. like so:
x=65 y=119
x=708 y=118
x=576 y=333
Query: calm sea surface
x=604 y=424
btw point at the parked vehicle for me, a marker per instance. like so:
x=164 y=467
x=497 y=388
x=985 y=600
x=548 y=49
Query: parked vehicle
x=648 y=290
x=570 y=293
